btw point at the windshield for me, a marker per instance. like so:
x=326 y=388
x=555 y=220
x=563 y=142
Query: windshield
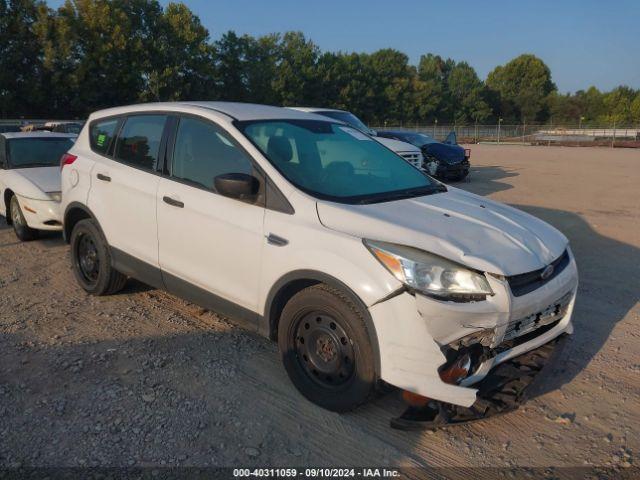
x=417 y=139
x=37 y=152
x=348 y=118
x=337 y=162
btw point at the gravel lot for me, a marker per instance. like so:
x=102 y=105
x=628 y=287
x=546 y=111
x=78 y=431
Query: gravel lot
x=145 y=379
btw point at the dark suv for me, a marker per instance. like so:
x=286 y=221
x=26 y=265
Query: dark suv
x=445 y=160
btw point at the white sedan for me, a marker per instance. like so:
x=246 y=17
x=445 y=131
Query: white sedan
x=30 y=180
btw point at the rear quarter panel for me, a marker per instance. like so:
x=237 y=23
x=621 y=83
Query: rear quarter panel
x=76 y=178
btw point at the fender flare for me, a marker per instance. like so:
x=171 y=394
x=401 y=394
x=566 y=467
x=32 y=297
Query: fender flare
x=315 y=276
x=77 y=205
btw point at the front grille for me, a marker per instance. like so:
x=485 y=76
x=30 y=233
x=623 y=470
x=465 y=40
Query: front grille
x=528 y=282
x=414 y=158
x=554 y=312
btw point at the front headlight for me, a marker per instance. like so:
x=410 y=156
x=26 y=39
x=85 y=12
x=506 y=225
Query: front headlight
x=430 y=274
x=55 y=196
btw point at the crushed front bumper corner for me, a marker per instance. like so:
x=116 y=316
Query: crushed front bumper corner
x=502 y=390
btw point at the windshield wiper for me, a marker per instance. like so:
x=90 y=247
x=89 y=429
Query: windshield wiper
x=403 y=194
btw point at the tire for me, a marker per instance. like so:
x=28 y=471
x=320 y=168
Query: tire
x=23 y=231
x=326 y=350
x=91 y=260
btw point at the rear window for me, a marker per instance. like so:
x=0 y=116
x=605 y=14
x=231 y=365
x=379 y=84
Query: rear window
x=36 y=152
x=101 y=134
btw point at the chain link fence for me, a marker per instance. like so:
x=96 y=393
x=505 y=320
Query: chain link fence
x=571 y=135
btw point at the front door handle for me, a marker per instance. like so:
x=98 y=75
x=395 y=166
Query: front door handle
x=104 y=178
x=173 y=202
x=276 y=240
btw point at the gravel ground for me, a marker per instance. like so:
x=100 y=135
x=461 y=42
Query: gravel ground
x=144 y=379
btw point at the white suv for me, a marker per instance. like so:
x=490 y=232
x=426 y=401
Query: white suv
x=310 y=232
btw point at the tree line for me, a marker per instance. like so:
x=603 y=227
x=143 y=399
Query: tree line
x=93 y=54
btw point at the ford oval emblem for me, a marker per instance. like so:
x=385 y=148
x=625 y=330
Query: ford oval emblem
x=547 y=272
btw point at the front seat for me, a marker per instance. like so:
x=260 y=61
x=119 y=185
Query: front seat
x=279 y=150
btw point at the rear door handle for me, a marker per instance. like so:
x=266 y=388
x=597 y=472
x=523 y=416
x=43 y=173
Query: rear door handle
x=104 y=178
x=173 y=202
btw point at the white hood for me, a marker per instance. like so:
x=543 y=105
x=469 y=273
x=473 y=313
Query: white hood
x=457 y=225
x=32 y=182
x=396 y=145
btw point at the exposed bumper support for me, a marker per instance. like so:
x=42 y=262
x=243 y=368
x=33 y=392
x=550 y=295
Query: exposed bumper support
x=503 y=390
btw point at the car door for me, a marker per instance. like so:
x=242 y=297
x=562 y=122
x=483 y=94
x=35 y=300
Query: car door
x=210 y=245
x=123 y=195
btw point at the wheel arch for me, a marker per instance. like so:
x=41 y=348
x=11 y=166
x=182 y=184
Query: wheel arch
x=75 y=212
x=293 y=282
x=7 y=194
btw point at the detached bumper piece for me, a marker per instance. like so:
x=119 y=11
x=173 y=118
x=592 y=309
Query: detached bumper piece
x=501 y=391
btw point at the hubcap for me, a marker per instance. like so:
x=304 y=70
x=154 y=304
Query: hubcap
x=16 y=217
x=325 y=351
x=88 y=260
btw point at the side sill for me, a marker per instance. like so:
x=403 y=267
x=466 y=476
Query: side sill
x=155 y=277
x=238 y=314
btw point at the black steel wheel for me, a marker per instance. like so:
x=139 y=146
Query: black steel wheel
x=326 y=349
x=91 y=260
x=88 y=262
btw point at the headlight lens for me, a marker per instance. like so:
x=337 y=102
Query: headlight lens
x=55 y=196
x=430 y=274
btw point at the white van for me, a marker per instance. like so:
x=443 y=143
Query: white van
x=306 y=230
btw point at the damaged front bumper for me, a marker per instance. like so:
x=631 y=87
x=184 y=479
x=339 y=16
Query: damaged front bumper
x=419 y=336
x=503 y=390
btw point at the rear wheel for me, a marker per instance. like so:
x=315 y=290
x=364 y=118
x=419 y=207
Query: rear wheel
x=326 y=350
x=23 y=231
x=92 y=260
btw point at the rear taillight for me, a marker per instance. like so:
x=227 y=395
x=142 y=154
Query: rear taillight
x=467 y=153
x=67 y=159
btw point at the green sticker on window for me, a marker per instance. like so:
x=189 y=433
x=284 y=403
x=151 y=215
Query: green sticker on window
x=101 y=139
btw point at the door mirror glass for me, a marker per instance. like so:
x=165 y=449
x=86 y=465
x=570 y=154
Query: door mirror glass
x=237 y=185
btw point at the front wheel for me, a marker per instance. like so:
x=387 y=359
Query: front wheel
x=92 y=260
x=23 y=231
x=325 y=348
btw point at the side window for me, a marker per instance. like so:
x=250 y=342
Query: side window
x=101 y=134
x=3 y=153
x=203 y=151
x=138 y=143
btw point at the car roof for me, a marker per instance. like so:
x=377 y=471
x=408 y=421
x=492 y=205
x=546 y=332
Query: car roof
x=317 y=109
x=236 y=110
x=37 y=134
x=63 y=122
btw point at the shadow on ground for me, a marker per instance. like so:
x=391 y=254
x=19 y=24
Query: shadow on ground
x=609 y=277
x=485 y=180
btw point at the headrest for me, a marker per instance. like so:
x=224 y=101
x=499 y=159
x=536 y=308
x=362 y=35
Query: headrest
x=279 y=149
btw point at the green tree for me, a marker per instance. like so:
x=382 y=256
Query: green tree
x=181 y=63
x=617 y=106
x=392 y=83
x=465 y=94
x=635 y=110
x=20 y=58
x=522 y=87
x=246 y=67
x=295 y=81
x=97 y=52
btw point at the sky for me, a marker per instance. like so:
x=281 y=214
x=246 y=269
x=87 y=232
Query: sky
x=584 y=42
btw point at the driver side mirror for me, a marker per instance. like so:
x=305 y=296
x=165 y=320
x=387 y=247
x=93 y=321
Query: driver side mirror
x=240 y=186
